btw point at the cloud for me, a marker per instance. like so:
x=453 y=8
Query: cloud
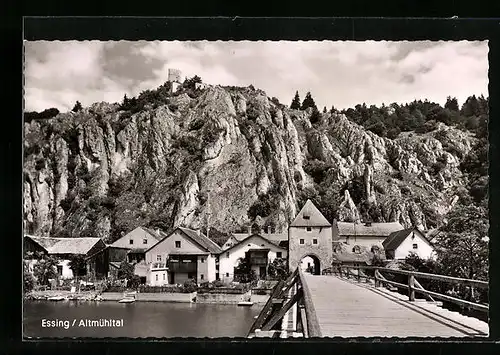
x=340 y=73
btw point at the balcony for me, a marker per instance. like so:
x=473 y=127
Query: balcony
x=258 y=260
x=180 y=266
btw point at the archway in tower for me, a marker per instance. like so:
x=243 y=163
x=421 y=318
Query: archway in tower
x=310 y=264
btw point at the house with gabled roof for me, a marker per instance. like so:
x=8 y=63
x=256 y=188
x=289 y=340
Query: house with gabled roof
x=280 y=239
x=408 y=241
x=64 y=249
x=363 y=234
x=260 y=251
x=138 y=241
x=182 y=255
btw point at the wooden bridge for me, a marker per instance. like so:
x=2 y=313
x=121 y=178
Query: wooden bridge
x=364 y=302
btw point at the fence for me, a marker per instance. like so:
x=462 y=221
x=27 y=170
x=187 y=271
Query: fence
x=407 y=280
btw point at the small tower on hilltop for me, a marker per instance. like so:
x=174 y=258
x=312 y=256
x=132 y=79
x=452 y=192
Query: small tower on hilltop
x=174 y=78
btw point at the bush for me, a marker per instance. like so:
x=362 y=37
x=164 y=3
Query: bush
x=190 y=286
x=40 y=164
x=28 y=281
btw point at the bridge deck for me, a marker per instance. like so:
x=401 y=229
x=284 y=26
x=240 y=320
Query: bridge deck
x=344 y=309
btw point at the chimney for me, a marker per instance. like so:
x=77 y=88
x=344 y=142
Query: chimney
x=249 y=230
x=158 y=231
x=198 y=232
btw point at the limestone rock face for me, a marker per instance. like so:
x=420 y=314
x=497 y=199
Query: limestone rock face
x=214 y=155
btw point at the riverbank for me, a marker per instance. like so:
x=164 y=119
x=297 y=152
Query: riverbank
x=193 y=297
x=46 y=295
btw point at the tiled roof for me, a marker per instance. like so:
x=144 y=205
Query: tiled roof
x=158 y=235
x=310 y=216
x=66 y=245
x=44 y=242
x=395 y=239
x=375 y=229
x=248 y=237
x=275 y=238
x=202 y=240
x=343 y=253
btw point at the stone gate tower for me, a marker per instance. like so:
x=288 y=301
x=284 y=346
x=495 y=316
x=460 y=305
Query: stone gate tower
x=310 y=234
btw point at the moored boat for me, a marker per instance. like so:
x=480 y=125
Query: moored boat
x=245 y=303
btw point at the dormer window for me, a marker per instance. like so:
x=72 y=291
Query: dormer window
x=131 y=241
x=308 y=229
x=356 y=249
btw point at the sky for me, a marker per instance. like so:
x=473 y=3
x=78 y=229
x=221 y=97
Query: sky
x=341 y=73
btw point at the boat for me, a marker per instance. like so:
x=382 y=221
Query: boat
x=127 y=300
x=56 y=298
x=245 y=303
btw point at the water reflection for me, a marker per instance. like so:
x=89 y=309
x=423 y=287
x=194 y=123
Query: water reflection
x=140 y=319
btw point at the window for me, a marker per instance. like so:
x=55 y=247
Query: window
x=249 y=245
x=301 y=241
x=227 y=274
x=131 y=241
x=315 y=241
x=307 y=217
x=163 y=277
x=262 y=245
x=227 y=254
x=202 y=260
x=177 y=243
x=59 y=270
x=202 y=276
x=308 y=229
x=144 y=241
x=415 y=246
x=156 y=277
x=278 y=254
x=158 y=257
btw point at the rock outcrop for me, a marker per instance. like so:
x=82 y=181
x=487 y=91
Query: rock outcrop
x=90 y=171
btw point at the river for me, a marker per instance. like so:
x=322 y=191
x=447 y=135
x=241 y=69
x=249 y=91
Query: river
x=140 y=319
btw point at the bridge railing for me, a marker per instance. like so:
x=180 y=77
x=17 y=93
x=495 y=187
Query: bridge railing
x=412 y=285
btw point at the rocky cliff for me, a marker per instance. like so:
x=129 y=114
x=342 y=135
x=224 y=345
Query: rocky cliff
x=230 y=156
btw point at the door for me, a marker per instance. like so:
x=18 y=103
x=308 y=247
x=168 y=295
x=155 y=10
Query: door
x=262 y=272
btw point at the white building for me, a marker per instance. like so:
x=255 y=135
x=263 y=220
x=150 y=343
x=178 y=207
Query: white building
x=363 y=234
x=261 y=252
x=400 y=244
x=63 y=249
x=182 y=255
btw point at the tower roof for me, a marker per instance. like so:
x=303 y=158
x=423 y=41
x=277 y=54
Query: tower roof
x=310 y=216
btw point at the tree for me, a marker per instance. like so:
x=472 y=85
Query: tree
x=78 y=266
x=451 y=104
x=45 y=269
x=295 y=105
x=78 y=107
x=243 y=271
x=28 y=279
x=278 y=269
x=315 y=116
x=462 y=248
x=308 y=102
x=471 y=107
x=126 y=271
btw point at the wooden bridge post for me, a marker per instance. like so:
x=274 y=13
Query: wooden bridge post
x=411 y=288
x=375 y=276
x=358 y=275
